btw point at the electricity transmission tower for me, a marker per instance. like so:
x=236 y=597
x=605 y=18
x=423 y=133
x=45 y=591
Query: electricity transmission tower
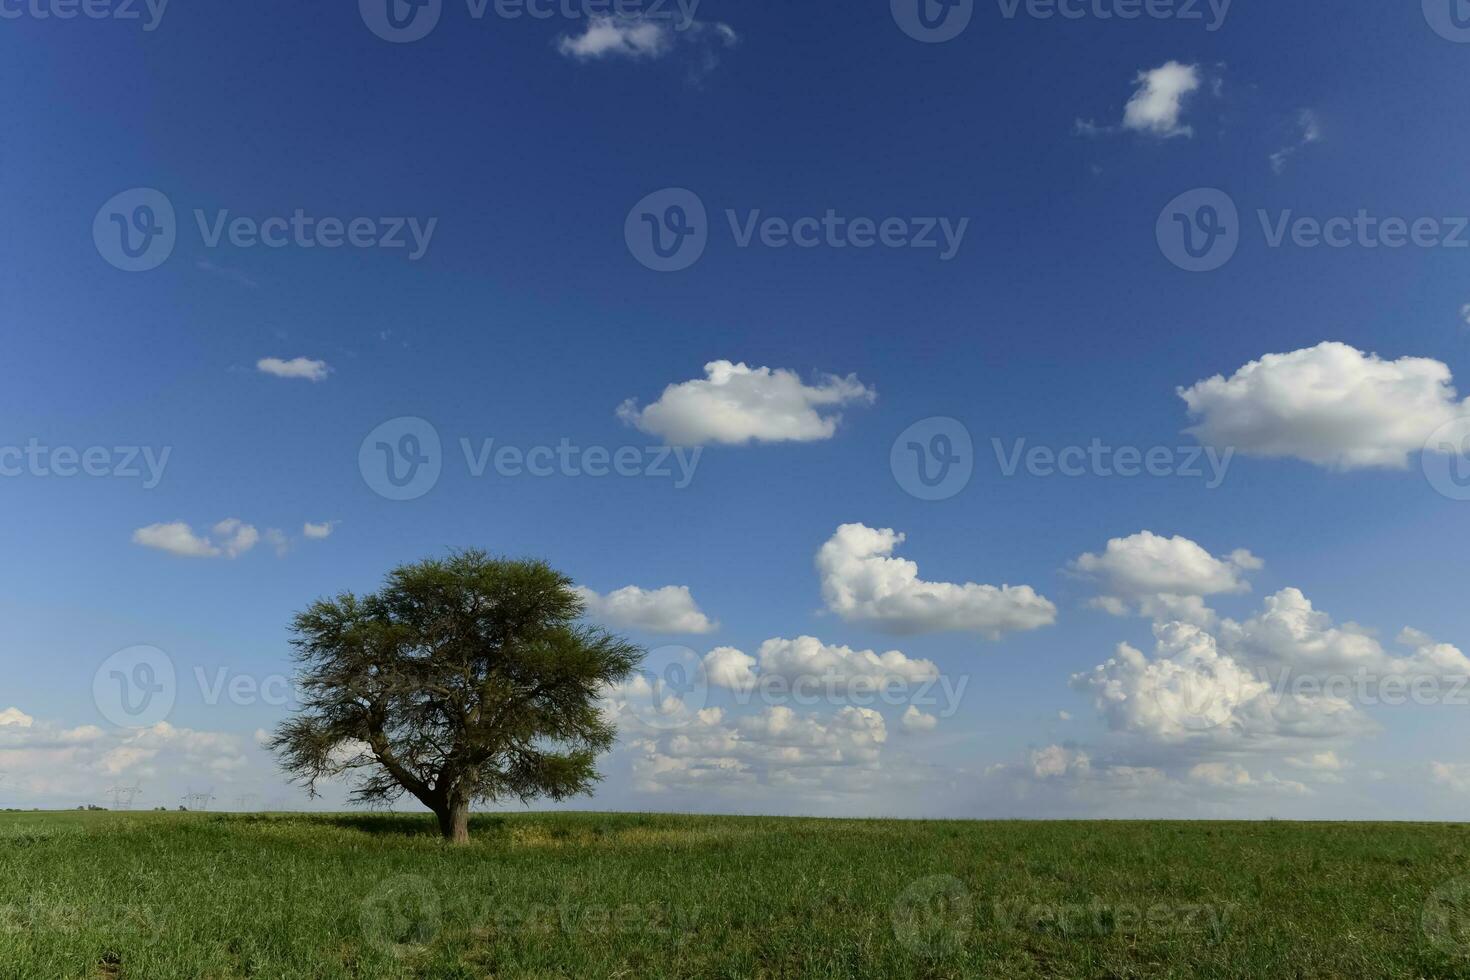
x=198 y=801
x=244 y=802
x=123 y=797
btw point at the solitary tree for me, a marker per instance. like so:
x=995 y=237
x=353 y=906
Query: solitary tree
x=463 y=680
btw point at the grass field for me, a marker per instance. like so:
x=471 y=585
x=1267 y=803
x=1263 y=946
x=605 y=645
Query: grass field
x=159 y=895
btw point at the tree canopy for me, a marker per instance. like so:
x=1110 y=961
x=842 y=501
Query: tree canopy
x=463 y=680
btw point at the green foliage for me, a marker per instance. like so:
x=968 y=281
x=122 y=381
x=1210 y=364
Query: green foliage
x=463 y=680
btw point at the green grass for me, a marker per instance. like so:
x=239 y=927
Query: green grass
x=162 y=895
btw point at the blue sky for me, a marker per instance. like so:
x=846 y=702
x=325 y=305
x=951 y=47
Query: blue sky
x=1060 y=319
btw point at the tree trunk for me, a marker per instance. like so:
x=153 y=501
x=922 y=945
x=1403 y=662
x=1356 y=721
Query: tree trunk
x=454 y=822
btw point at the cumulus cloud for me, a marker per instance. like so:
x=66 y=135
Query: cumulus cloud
x=230 y=538
x=1157 y=105
x=766 y=747
x=300 y=368
x=1190 y=691
x=807 y=660
x=46 y=761
x=670 y=609
x=863 y=582
x=915 y=722
x=1163 y=578
x=1158 y=99
x=1213 y=695
x=1331 y=405
x=317 y=532
x=737 y=404
x=1289 y=633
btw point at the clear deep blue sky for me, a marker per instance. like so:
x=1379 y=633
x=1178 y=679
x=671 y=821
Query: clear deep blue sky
x=528 y=321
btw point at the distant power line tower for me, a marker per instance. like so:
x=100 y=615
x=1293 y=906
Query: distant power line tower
x=244 y=802
x=198 y=801
x=123 y=797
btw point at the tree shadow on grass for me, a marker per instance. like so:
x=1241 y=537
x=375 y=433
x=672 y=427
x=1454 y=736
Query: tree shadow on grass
x=482 y=825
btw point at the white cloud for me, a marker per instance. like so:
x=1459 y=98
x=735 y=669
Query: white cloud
x=234 y=537
x=1331 y=405
x=915 y=722
x=807 y=660
x=770 y=747
x=1158 y=102
x=278 y=541
x=45 y=761
x=670 y=609
x=1164 y=578
x=862 y=582
x=1327 y=761
x=15 y=718
x=638 y=38
x=1058 y=760
x=730 y=668
x=1455 y=775
x=303 y=368
x=1189 y=691
x=1227 y=775
x=1309 y=131
x=229 y=538
x=317 y=532
x=1465 y=314
x=1290 y=633
x=627 y=37
x=737 y=404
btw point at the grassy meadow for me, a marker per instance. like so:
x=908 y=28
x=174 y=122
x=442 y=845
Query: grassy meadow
x=201 y=895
